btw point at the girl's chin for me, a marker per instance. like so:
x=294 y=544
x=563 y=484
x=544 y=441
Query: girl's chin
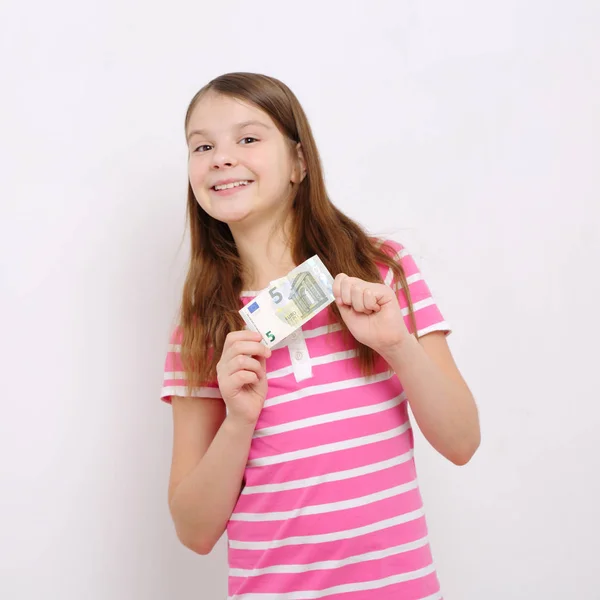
x=232 y=217
x=226 y=214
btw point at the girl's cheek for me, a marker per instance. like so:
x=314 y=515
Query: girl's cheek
x=197 y=178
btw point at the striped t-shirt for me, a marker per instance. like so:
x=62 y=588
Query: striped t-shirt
x=330 y=506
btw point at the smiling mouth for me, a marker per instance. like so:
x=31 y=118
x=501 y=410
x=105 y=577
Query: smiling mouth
x=234 y=187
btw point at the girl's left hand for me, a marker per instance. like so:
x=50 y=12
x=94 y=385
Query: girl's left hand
x=371 y=312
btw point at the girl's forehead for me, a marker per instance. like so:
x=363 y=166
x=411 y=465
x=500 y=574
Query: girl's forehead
x=224 y=112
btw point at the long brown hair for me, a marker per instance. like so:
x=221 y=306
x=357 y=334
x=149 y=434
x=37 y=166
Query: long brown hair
x=211 y=294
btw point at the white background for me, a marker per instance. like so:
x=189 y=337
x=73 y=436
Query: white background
x=468 y=130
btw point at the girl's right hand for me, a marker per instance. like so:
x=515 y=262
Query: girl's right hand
x=241 y=374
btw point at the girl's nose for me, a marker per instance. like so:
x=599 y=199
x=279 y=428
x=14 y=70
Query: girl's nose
x=222 y=159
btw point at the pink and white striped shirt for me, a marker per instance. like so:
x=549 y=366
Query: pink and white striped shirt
x=331 y=506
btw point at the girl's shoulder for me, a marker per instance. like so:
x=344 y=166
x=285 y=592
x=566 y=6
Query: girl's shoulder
x=176 y=336
x=392 y=248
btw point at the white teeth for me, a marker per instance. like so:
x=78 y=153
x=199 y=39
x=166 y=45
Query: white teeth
x=231 y=185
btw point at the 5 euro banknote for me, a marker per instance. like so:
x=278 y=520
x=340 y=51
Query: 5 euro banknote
x=289 y=302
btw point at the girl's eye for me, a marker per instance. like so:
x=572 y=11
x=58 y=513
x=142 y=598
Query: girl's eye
x=199 y=148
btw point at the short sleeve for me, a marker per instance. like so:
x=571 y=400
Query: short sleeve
x=174 y=380
x=428 y=315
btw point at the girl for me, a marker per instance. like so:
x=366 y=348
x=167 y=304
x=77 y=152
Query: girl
x=304 y=453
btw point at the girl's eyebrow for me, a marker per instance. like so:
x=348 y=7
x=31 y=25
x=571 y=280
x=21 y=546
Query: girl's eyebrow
x=237 y=126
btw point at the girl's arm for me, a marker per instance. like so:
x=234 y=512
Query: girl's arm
x=211 y=443
x=441 y=401
x=210 y=452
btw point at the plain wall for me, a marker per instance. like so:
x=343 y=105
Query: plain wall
x=467 y=130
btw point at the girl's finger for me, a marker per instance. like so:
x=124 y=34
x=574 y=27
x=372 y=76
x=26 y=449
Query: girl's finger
x=243 y=363
x=262 y=373
x=244 y=335
x=340 y=283
x=247 y=348
x=245 y=378
x=357 y=294
x=346 y=290
x=370 y=301
x=337 y=282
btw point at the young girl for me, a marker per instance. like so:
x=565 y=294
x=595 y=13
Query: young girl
x=304 y=453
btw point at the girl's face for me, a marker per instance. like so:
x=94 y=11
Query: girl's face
x=230 y=140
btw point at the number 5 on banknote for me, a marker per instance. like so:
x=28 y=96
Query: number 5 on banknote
x=277 y=297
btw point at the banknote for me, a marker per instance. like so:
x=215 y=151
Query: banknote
x=289 y=302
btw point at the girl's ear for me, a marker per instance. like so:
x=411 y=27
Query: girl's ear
x=299 y=171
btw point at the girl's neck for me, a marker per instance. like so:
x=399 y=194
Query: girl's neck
x=265 y=252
